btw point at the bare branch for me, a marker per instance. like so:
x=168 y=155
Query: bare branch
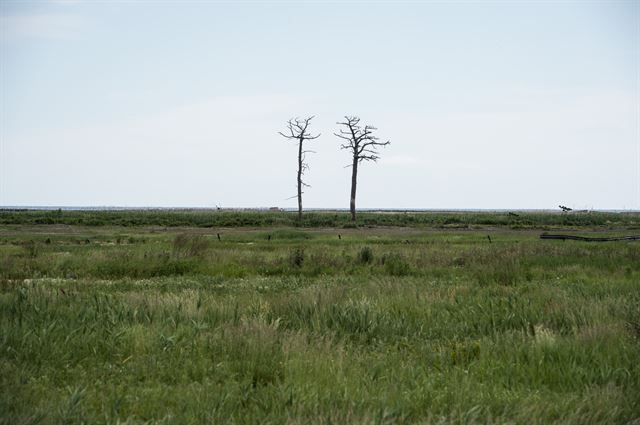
x=363 y=145
x=297 y=127
x=288 y=137
x=362 y=142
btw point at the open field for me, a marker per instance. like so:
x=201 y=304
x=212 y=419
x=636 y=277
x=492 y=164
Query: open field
x=147 y=317
x=225 y=218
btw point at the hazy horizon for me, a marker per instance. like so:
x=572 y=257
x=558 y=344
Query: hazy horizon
x=294 y=210
x=488 y=105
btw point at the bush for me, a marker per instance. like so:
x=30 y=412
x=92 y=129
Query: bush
x=296 y=257
x=395 y=265
x=31 y=248
x=365 y=255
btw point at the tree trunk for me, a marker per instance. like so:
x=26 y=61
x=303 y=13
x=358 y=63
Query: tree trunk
x=354 y=179
x=300 y=181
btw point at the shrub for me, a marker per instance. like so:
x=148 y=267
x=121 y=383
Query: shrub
x=395 y=265
x=365 y=255
x=31 y=248
x=296 y=257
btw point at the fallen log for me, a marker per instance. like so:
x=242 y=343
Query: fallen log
x=590 y=239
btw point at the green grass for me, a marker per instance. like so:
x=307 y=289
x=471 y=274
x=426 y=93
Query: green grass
x=210 y=218
x=115 y=324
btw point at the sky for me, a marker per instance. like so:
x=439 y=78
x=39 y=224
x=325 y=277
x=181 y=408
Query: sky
x=500 y=104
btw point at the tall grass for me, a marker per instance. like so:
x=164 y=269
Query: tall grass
x=438 y=328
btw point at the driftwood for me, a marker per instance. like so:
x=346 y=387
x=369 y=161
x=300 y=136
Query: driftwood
x=590 y=239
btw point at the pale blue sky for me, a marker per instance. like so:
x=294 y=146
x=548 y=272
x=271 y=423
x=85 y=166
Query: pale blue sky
x=157 y=103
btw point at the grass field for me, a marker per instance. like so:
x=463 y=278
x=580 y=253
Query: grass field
x=224 y=218
x=164 y=319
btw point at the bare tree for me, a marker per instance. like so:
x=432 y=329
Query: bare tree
x=297 y=130
x=363 y=145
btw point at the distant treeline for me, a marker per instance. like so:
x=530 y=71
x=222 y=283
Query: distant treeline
x=192 y=218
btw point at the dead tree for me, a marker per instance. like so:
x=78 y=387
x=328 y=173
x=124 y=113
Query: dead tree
x=363 y=146
x=297 y=129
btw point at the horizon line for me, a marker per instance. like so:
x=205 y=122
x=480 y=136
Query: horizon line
x=292 y=209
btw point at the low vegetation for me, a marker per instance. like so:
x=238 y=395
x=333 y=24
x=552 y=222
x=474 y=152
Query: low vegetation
x=223 y=218
x=145 y=324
